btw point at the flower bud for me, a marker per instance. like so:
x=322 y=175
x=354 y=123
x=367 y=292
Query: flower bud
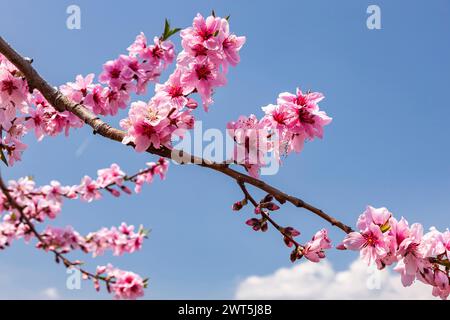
x=191 y=104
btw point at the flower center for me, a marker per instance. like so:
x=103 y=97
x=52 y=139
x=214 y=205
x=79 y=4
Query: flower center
x=370 y=240
x=115 y=73
x=203 y=72
x=157 y=52
x=8 y=86
x=199 y=50
x=305 y=116
x=278 y=117
x=175 y=91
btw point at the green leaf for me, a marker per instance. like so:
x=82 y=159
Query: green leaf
x=213 y=13
x=168 y=32
x=228 y=17
x=166 y=28
x=173 y=31
x=3 y=157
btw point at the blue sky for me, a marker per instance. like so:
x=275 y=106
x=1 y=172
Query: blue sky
x=387 y=145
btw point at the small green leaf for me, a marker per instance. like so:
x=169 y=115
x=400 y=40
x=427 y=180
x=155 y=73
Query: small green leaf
x=228 y=17
x=168 y=32
x=166 y=27
x=173 y=31
x=3 y=157
x=213 y=13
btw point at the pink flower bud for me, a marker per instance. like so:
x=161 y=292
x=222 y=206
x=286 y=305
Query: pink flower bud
x=126 y=189
x=191 y=104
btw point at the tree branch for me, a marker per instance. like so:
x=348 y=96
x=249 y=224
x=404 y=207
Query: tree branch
x=62 y=103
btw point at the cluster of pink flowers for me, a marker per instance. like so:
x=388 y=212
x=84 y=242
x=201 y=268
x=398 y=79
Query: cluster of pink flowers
x=45 y=202
x=123 y=76
x=46 y=120
x=124 y=284
x=284 y=128
x=383 y=240
x=22 y=111
x=13 y=96
x=119 y=240
x=208 y=49
x=154 y=123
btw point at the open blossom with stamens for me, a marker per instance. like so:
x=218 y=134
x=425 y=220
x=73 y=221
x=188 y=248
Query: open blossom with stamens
x=13 y=89
x=173 y=90
x=370 y=242
x=203 y=75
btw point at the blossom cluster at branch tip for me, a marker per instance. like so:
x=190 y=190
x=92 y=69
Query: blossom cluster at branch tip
x=284 y=128
x=208 y=49
x=384 y=240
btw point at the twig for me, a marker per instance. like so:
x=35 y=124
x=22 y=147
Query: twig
x=266 y=216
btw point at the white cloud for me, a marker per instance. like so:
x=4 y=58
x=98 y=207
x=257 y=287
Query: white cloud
x=320 y=281
x=50 y=294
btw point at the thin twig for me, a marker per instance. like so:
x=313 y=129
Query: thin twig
x=266 y=216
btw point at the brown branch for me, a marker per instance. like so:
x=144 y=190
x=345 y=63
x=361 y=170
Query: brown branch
x=59 y=256
x=62 y=103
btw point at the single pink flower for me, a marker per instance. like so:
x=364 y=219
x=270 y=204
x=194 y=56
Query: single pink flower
x=204 y=76
x=370 y=242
